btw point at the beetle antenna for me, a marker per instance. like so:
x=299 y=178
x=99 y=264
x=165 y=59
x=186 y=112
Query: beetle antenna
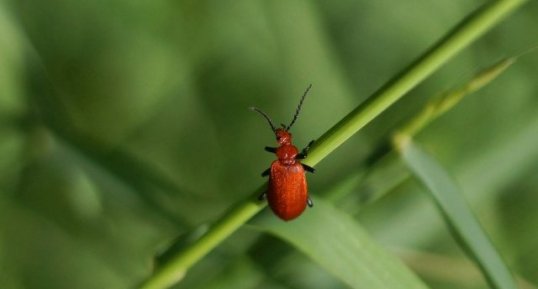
x=299 y=107
x=265 y=116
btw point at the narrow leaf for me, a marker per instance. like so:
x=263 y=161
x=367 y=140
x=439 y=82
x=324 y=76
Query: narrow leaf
x=338 y=243
x=457 y=214
x=440 y=105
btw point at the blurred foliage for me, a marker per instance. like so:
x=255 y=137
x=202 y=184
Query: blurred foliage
x=124 y=124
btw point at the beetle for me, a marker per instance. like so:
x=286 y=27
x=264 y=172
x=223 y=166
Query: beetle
x=287 y=193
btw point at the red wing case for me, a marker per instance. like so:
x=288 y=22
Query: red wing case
x=288 y=193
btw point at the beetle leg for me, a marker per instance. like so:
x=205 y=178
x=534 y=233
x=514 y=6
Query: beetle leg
x=309 y=202
x=270 y=149
x=266 y=172
x=308 y=168
x=262 y=196
x=304 y=152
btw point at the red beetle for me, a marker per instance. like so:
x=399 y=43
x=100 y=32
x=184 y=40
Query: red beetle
x=287 y=194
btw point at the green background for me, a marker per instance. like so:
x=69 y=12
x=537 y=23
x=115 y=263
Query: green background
x=124 y=124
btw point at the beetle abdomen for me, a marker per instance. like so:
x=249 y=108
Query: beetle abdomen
x=287 y=194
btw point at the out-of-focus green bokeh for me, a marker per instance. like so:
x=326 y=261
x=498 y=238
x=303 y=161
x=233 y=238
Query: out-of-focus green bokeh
x=124 y=124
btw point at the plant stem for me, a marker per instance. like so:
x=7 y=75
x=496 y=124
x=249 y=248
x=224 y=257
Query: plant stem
x=174 y=270
x=461 y=36
x=438 y=106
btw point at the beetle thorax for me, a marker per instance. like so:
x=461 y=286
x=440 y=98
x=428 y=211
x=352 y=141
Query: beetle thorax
x=286 y=154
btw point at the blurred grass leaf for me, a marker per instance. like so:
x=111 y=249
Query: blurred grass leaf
x=338 y=243
x=457 y=214
x=440 y=105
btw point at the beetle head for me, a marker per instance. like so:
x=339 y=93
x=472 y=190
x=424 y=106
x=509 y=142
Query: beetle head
x=283 y=137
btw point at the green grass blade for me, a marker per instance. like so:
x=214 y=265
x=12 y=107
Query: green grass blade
x=440 y=105
x=338 y=243
x=457 y=214
x=177 y=264
x=462 y=35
